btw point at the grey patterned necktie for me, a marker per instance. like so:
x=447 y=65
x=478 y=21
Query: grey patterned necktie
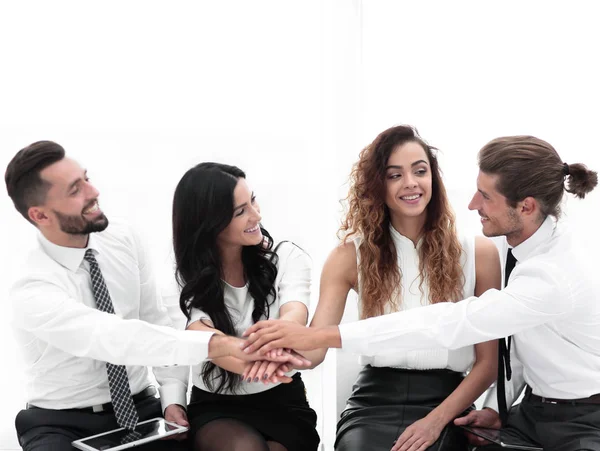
x=118 y=381
x=131 y=436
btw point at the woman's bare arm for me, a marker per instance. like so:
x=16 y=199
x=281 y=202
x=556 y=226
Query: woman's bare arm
x=339 y=276
x=485 y=368
x=294 y=311
x=484 y=371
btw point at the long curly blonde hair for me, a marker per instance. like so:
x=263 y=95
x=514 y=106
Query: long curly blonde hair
x=368 y=217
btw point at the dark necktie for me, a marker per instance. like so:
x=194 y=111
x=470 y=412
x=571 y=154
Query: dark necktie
x=504 y=351
x=118 y=381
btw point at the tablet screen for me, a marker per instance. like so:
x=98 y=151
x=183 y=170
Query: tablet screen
x=145 y=431
x=503 y=437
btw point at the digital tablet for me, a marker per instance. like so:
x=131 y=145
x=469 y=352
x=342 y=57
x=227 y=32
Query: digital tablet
x=503 y=438
x=145 y=431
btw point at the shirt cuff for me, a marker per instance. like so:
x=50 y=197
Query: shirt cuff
x=352 y=338
x=193 y=347
x=174 y=392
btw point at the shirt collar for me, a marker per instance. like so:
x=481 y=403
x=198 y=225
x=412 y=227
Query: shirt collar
x=401 y=241
x=541 y=235
x=69 y=257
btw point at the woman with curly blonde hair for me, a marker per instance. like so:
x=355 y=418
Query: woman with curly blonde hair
x=400 y=250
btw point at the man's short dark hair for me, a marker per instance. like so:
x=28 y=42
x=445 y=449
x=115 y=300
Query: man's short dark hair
x=23 y=181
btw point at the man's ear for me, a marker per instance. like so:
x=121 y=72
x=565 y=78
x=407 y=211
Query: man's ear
x=529 y=207
x=38 y=216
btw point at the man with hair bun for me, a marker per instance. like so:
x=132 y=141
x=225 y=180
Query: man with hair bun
x=549 y=308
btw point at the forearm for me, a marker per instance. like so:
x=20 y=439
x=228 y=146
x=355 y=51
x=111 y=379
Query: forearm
x=294 y=311
x=299 y=315
x=316 y=357
x=126 y=342
x=231 y=364
x=513 y=387
x=448 y=325
x=296 y=315
x=327 y=337
x=477 y=381
x=534 y=297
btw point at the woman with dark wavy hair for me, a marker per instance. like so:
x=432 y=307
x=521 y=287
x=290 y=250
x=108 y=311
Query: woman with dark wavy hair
x=231 y=276
x=401 y=251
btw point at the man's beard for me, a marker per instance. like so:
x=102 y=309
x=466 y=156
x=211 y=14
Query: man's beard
x=78 y=225
x=513 y=226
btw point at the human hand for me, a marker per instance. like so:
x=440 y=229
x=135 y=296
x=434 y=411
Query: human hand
x=419 y=436
x=485 y=418
x=174 y=413
x=232 y=346
x=284 y=367
x=264 y=336
x=267 y=372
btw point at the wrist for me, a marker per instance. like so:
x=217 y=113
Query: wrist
x=438 y=418
x=220 y=346
x=328 y=337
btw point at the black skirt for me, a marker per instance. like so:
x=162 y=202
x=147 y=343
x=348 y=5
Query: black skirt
x=385 y=401
x=281 y=414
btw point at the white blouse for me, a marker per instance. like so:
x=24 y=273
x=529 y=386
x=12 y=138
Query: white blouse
x=412 y=297
x=292 y=284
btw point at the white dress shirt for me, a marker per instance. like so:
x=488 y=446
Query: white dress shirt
x=65 y=341
x=291 y=284
x=413 y=296
x=551 y=306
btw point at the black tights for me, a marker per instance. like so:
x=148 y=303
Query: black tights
x=232 y=435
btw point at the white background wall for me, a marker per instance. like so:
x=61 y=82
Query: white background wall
x=139 y=92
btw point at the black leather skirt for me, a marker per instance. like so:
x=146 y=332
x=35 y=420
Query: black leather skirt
x=385 y=401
